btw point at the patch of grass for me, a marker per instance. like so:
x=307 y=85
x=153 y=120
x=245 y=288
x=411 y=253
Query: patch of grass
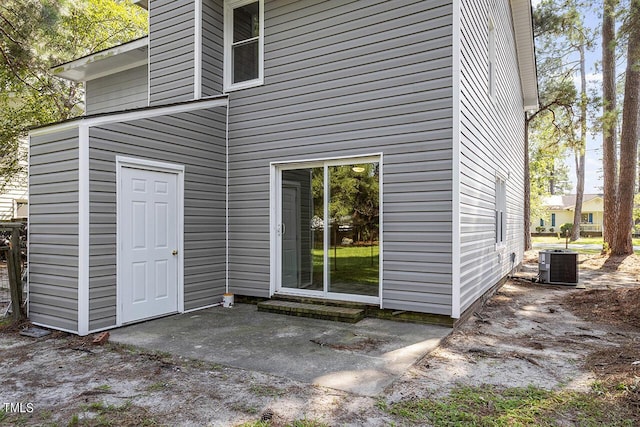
x=102 y=408
x=111 y=415
x=204 y=365
x=267 y=391
x=583 y=241
x=350 y=264
x=157 y=386
x=245 y=408
x=137 y=351
x=305 y=422
x=489 y=406
x=103 y=387
x=46 y=415
x=255 y=424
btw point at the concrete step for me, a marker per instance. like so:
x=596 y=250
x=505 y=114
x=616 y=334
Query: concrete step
x=316 y=311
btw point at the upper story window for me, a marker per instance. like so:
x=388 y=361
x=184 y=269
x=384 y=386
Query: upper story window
x=243 y=43
x=491 y=54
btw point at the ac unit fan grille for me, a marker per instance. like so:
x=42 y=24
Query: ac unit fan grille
x=563 y=268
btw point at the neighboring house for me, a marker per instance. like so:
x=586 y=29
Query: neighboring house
x=561 y=209
x=244 y=145
x=14 y=198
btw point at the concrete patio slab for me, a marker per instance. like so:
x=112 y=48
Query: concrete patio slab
x=362 y=358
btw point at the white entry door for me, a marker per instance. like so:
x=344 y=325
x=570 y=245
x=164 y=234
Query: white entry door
x=148 y=227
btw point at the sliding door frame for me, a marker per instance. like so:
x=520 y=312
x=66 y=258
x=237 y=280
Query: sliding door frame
x=275 y=220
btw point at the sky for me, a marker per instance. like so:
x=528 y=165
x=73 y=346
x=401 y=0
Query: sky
x=593 y=169
x=593 y=165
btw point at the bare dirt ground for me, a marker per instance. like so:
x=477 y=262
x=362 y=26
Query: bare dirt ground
x=551 y=337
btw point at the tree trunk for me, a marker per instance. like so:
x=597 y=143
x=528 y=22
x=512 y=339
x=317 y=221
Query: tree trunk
x=609 y=120
x=581 y=146
x=622 y=244
x=14 y=268
x=577 y=213
x=527 y=188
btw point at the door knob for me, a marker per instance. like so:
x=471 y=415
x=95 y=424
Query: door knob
x=174 y=252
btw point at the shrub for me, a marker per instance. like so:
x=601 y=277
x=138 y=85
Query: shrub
x=566 y=228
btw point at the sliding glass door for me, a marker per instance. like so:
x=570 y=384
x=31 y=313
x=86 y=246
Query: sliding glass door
x=297 y=230
x=328 y=228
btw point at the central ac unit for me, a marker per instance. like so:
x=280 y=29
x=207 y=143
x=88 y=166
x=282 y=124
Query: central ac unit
x=558 y=267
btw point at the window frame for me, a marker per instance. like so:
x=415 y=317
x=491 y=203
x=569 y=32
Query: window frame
x=491 y=59
x=17 y=204
x=229 y=7
x=500 y=210
x=586 y=218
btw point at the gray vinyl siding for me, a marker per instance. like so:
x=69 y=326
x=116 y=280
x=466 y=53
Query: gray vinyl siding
x=353 y=78
x=492 y=140
x=212 y=47
x=53 y=230
x=171 y=50
x=196 y=140
x=117 y=92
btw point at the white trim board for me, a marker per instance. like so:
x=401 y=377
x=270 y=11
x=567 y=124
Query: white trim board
x=28 y=223
x=83 y=230
x=107 y=62
x=127 y=116
x=455 y=169
x=197 y=53
x=149 y=57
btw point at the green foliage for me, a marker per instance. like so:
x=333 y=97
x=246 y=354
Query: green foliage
x=566 y=228
x=354 y=196
x=547 y=169
x=36 y=35
x=562 y=42
x=492 y=406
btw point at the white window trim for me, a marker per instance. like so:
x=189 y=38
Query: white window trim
x=501 y=244
x=229 y=86
x=491 y=60
x=17 y=202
